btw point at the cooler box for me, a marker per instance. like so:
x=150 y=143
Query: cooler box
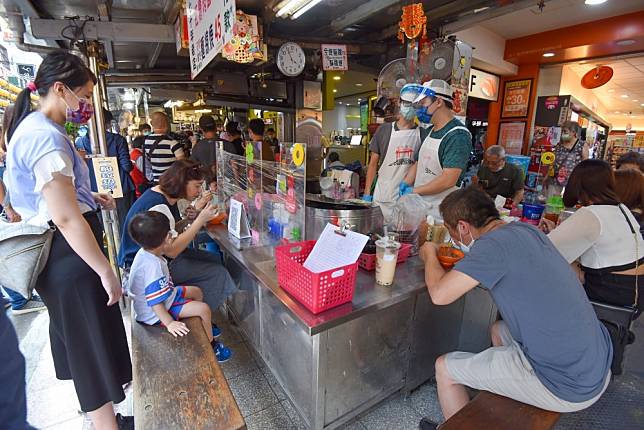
x=316 y=291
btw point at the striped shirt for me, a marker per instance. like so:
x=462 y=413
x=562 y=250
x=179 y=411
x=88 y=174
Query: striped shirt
x=161 y=155
x=150 y=284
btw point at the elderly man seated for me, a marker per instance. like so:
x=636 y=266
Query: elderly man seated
x=496 y=177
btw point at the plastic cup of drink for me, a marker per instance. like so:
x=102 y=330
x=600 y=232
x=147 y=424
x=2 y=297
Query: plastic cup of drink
x=386 y=259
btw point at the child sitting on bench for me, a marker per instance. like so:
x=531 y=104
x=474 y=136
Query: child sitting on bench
x=156 y=299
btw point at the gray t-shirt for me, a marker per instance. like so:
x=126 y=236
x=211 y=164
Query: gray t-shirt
x=545 y=307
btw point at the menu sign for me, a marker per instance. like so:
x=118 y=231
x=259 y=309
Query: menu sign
x=516 y=98
x=210 y=27
x=334 y=57
x=106 y=173
x=511 y=136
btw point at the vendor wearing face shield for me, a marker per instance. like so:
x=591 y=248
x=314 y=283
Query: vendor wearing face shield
x=498 y=178
x=393 y=148
x=444 y=153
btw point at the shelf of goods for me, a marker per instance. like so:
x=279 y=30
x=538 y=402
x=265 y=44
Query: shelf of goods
x=619 y=145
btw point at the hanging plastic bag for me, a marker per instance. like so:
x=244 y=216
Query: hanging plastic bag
x=408 y=213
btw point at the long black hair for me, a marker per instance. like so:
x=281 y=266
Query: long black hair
x=59 y=66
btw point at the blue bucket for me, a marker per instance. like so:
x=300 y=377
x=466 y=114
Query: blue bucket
x=533 y=212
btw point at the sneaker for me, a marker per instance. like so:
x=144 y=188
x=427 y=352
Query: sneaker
x=216 y=331
x=222 y=353
x=36 y=298
x=30 y=306
x=427 y=424
x=124 y=422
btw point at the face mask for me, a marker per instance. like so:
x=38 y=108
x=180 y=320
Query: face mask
x=83 y=113
x=407 y=112
x=461 y=245
x=147 y=133
x=566 y=137
x=423 y=115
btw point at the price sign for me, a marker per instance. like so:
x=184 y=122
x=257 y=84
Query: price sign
x=334 y=57
x=106 y=173
x=516 y=98
x=210 y=27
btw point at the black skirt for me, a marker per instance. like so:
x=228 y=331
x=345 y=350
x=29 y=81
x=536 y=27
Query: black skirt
x=87 y=337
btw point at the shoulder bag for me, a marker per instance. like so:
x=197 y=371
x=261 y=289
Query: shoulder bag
x=24 y=250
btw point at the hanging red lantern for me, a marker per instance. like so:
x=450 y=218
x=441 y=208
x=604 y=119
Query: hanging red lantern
x=413 y=22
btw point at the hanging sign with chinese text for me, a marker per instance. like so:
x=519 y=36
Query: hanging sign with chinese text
x=246 y=45
x=334 y=57
x=210 y=27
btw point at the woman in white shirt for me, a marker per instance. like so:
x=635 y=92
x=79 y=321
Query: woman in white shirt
x=50 y=185
x=602 y=235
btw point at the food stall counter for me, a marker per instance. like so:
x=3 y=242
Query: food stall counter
x=368 y=295
x=339 y=363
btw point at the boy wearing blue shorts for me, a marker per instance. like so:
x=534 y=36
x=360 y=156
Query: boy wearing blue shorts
x=156 y=299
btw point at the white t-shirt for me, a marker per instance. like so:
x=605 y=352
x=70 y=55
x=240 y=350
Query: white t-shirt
x=599 y=236
x=150 y=284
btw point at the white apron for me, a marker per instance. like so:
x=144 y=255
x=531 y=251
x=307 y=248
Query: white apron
x=399 y=158
x=429 y=168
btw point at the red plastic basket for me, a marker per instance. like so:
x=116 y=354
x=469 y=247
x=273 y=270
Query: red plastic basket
x=316 y=291
x=368 y=261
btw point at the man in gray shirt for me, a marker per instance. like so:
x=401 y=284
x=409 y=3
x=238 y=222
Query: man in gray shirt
x=550 y=350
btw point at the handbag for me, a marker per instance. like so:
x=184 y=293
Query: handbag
x=24 y=250
x=618 y=319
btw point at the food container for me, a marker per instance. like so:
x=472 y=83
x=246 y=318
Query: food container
x=362 y=217
x=532 y=213
x=448 y=256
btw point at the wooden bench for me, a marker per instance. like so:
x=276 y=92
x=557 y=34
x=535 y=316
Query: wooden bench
x=178 y=383
x=491 y=411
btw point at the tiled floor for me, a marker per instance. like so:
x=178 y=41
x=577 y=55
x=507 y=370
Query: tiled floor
x=264 y=405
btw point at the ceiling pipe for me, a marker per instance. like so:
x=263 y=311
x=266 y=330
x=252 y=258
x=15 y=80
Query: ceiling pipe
x=17 y=27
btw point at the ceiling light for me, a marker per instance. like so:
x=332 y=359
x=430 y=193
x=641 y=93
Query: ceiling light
x=286 y=7
x=549 y=54
x=624 y=96
x=359 y=85
x=305 y=9
x=610 y=90
x=339 y=103
x=481 y=9
x=348 y=104
x=641 y=104
x=595 y=2
x=616 y=111
x=335 y=91
x=634 y=100
x=359 y=100
x=336 y=78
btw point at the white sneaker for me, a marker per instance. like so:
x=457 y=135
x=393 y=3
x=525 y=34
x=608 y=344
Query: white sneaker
x=30 y=306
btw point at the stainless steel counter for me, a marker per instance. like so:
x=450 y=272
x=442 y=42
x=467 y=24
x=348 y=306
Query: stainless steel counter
x=368 y=295
x=337 y=364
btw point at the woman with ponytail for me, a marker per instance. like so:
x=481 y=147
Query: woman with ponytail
x=50 y=185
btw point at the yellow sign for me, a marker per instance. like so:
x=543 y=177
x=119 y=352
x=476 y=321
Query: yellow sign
x=106 y=173
x=298 y=154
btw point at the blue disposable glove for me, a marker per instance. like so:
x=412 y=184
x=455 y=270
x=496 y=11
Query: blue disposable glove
x=367 y=198
x=405 y=188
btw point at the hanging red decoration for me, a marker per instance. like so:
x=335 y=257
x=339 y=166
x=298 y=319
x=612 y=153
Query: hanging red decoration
x=413 y=22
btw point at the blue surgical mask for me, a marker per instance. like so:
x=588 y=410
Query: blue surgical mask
x=423 y=115
x=147 y=133
x=407 y=112
x=461 y=245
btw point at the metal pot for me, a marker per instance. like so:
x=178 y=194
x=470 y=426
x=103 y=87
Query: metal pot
x=363 y=218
